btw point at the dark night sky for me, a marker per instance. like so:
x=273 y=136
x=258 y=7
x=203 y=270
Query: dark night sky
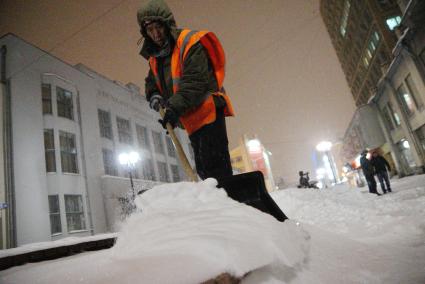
x=282 y=71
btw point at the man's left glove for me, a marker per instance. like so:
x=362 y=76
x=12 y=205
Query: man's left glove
x=170 y=117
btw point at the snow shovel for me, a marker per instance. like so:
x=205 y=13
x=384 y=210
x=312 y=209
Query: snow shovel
x=182 y=156
x=248 y=188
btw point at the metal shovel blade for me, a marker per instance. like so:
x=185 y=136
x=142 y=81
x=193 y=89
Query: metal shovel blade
x=249 y=188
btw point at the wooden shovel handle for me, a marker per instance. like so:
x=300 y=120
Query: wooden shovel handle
x=182 y=156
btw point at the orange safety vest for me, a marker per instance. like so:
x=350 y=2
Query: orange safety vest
x=205 y=113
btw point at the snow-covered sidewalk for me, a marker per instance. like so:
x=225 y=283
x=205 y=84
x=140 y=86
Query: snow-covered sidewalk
x=189 y=233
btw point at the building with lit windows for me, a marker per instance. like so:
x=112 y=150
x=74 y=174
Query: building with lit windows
x=64 y=127
x=251 y=155
x=363 y=35
x=392 y=94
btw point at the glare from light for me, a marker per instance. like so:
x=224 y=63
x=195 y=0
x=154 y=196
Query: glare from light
x=320 y=171
x=345 y=169
x=134 y=157
x=406 y=144
x=123 y=158
x=129 y=159
x=254 y=145
x=324 y=146
x=357 y=161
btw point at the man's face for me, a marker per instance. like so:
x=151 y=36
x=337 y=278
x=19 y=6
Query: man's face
x=156 y=31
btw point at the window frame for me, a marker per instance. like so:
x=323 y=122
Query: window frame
x=64 y=110
x=46 y=98
x=67 y=151
x=125 y=135
x=105 y=124
x=109 y=163
x=50 y=152
x=159 y=147
x=54 y=214
x=73 y=213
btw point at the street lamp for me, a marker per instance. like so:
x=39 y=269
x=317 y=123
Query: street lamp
x=130 y=160
x=325 y=147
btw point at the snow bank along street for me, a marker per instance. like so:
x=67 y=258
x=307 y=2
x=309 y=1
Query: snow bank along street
x=189 y=233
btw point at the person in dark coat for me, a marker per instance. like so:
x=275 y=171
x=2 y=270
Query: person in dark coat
x=368 y=172
x=381 y=165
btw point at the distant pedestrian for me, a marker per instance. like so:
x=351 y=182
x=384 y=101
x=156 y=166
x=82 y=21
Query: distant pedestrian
x=381 y=165
x=368 y=172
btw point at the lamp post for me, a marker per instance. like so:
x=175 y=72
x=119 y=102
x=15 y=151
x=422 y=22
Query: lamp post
x=129 y=160
x=325 y=147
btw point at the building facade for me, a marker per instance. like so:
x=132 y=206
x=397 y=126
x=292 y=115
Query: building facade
x=68 y=125
x=251 y=155
x=362 y=33
x=391 y=63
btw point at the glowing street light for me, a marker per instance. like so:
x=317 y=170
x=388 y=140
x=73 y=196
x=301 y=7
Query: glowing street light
x=129 y=160
x=325 y=147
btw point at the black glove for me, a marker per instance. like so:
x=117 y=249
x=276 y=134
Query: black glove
x=155 y=101
x=170 y=117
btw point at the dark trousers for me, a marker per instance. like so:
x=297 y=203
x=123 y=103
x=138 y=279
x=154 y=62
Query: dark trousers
x=371 y=183
x=211 y=149
x=383 y=177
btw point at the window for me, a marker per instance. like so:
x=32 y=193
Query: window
x=406 y=100
x=148 y=170
x=163 y=173
x=344 y=19
x=109 y=162
x=170 y=147
x=371 y=48
x=142 y=137
x=74 y=213
x=124 y=131
x=105 y=124
x=394 y=115
x=157 y=142
x=387 y=118
x=49 y=150
x=414 y=91
x=68 y=152
x=55 y=216
x=393 y=22
x=175 y=172
x=46 y=96
x=65 y=104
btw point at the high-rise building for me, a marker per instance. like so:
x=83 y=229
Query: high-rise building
x=363 y=35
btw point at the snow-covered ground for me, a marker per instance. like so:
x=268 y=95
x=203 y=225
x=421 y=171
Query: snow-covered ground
x=189 y=233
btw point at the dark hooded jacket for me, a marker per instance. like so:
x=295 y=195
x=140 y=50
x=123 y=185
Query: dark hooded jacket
x=367 y=166
x=198 y=80
x=380 y=164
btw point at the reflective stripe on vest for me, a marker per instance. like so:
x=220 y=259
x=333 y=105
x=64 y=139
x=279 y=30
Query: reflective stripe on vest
x=205 y=113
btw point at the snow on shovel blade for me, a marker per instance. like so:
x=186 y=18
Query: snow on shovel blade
x=249 y=188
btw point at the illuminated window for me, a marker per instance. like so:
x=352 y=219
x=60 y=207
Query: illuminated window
x=408 y=102
x=393 y=22
x=371 y=48
x=394 y=115
x=344 y=20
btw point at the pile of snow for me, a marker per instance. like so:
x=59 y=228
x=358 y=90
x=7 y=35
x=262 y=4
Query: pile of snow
x=356 y=214
x=184 y=233
x=191 y=232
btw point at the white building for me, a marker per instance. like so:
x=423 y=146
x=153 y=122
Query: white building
x=67 y=126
